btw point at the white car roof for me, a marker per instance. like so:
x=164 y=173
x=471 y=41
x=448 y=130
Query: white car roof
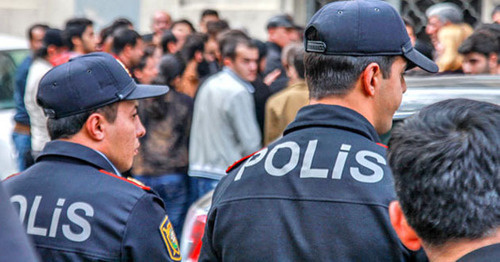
x=9 y=42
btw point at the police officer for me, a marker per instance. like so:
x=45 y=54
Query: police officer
x=74 y=203
x=15 y=245
x=321 y=192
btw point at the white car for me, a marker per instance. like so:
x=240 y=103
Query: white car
x=12 y=52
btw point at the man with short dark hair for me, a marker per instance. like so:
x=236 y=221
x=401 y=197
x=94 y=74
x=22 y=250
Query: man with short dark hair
x=79 y=37
x=208 y=15
x=168 y=43
x=481 y=53
x=322 y=191
x=224 y=123
x=128 y=47
x=280 y=30
x=446 y=166
x=74 y=202
x=21 y=133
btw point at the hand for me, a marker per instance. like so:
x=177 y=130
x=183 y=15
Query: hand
x=272 y=76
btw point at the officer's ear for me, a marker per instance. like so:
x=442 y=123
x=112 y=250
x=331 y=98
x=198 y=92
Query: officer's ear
x=407 y=235
x=95 y=126
x=371 y=78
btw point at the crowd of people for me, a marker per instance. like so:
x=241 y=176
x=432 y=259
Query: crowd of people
x=230 y=96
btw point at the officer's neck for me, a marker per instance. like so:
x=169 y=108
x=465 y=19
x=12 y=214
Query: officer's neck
x=353 y=100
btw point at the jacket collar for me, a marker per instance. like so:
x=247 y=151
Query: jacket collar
x=333 y=116
x=79 y=152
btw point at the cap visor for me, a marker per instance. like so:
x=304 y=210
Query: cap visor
x=418 y=59
x=145 y=91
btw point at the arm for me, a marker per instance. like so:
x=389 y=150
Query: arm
x=241 y=114
x=149 y=235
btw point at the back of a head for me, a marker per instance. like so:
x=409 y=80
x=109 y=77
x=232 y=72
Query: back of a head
x=446 y=12
x=446 y=165
x=122 y=37
x=52 y=37
x=194 y=43
x=293 y=55
x=75 y=28
x=171 y=66
x=344 y=37
x=216 y=27
x=450 y=38
x=166 y=38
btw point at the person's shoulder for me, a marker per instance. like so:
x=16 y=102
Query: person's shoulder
x=129 y=184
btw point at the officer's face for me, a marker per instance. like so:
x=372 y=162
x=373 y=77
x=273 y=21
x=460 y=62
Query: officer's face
x=122 y=136
x=390 y=95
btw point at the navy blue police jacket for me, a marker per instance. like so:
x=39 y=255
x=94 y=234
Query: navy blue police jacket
x=76 y=209
x=320 y=193
x=15 y=245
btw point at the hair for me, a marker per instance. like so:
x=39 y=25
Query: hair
x=445 y=161
x=335 y=75
x=75 y=28
x=184 y=21
x=148 y=53
x=298 y=62
x=291 y=53
x=66 y=127
x=194 y=43
x=495 y=10
x=446 y=12
x=208 y=12
x=121 y=22
x=408 y=22
x=480 y=42
x=123 y=37
x=262 y=48
x=171 y=66
x=451 y=37
x=229 y=40
x=214 y=28
x=29 y=33
x=166 y=38
x=53 y=37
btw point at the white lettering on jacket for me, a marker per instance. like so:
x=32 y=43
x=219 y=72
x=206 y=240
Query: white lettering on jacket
x=33 y=228
x=362 y=158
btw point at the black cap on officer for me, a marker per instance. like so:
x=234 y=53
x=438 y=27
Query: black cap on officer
x=89 y=82
x=362 y=28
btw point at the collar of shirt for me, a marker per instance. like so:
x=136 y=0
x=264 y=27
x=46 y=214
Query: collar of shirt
x=77 y=151
x=236 y=77
x=333 y=116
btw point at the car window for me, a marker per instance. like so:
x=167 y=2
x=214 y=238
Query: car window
x=9 y=61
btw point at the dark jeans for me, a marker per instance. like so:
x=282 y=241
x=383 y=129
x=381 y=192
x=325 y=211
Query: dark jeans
x=204 y=185
x=22 y=143
x=174 y=190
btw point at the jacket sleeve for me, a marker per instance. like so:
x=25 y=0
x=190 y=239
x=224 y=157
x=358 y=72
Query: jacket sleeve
x=241 y=113
x=149 y=235
x=15 y=243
